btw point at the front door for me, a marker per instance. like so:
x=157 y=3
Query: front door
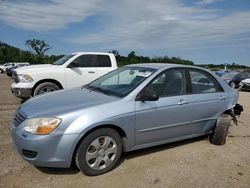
x=84 y=72
x=169 y=117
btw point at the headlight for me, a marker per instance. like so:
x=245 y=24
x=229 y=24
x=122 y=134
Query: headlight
x=24 y=78
x=41 y=126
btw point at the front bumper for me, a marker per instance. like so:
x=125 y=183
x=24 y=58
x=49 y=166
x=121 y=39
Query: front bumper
x=244 y=86
x=22 y=92
x=52 y=150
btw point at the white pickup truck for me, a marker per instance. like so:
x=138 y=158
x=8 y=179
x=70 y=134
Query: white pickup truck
x=10 y=65
x=70 y=71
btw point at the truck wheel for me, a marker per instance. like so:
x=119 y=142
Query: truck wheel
x=45 y=87
x=220 y=132
x=1 y=70
x=99 y=152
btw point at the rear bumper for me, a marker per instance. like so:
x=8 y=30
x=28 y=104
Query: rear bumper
x=22 y=93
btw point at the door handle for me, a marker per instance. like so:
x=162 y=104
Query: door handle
x=222 y=98
x=91 y=72
x=182 y=102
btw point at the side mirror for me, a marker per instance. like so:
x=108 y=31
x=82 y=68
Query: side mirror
x=73 y=64
x=148 y=97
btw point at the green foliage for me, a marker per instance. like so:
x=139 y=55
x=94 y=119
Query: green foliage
x=39 y=46
x=12 y=54
x=132 y=58
x=232 y=66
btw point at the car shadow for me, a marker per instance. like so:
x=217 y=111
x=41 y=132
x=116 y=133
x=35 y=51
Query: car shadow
x=154 y=149
x=125 y=156
x=59 y=171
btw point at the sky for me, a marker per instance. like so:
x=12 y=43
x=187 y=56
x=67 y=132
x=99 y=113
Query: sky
x=203 y=31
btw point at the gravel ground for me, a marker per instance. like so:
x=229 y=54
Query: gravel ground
x=191 y=163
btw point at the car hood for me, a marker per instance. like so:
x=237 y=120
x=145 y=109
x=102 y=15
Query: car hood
x=35 y=68
x=61 y=102
x=246 y=80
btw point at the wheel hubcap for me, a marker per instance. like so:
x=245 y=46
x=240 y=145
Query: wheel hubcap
x=46 y=90
x=101 y=153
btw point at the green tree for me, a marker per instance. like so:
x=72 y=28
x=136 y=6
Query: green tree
x=39 y=46
x=115 y=52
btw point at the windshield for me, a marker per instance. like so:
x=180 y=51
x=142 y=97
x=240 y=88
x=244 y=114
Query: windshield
x=62 y=60
x=121 y=81
x=229 y=76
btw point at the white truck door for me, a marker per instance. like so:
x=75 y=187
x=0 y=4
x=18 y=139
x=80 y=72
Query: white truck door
x=82 y=72
x=104 y=65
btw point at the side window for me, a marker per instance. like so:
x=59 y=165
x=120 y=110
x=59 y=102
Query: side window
x=87 y=60
x=90 y=60
x=202 y=82
x=103 y=61
x=168 y=83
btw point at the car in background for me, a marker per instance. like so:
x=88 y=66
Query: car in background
x=5 y=66
x=10 y=65
x=10 y=71
x=72 y=70
x=245 y=84
x=246 y=70
x=221 y=72
x=234 y=78
x=133 y=107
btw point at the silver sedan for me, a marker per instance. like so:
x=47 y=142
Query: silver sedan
x=133 y=107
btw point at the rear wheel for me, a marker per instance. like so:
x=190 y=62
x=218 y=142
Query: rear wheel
x=45 y=87
x=220 y=132
x=232 y=85
x=99 y=152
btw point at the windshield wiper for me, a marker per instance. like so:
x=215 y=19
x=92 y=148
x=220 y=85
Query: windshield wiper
x=98 y=89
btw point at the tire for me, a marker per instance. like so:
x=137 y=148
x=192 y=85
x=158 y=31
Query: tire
x=45 y=87
x=220 y=132
x=232 y=85
x=1 y=70
x=99 y=152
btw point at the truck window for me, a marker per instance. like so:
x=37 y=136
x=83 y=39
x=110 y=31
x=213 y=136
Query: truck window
x=103 y=61
x=86 y=61
x=90 y=60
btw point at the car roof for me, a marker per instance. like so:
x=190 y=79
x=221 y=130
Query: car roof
x=92 y=53
x=163 y=66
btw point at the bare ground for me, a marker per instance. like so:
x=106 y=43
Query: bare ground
x=191 y=163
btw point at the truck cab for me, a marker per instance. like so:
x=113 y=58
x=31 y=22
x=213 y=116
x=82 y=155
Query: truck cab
x=73 y=70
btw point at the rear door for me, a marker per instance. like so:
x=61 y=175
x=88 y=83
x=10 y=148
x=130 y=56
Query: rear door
x=207 y=96
x=103 y=64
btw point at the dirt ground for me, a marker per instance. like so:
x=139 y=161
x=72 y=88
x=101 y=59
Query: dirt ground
x=191 y=163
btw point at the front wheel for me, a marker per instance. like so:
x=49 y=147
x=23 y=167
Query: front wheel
x=99 y=152
x=1 y=70
x=220 y=132
x=45 y=87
